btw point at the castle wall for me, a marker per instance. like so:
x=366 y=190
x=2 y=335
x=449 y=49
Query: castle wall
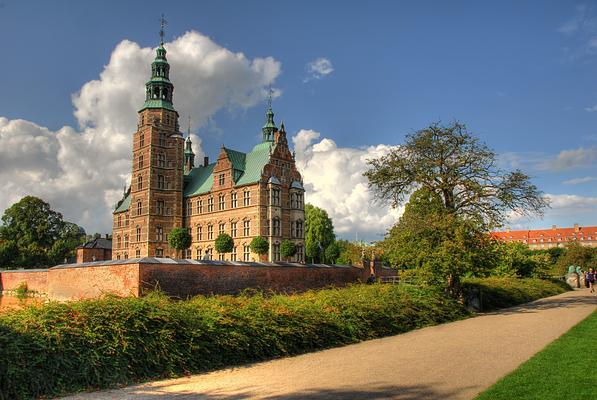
x=36 y=280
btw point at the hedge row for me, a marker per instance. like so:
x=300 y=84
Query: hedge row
x=496 y=293
x=65 y=347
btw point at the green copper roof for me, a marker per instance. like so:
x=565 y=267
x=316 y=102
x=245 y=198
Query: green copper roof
x=158 y=104
x=124 y=206
x=270 y=126
x=255 y=161
x=200 y=180
x=247 y=169
x=158 y=79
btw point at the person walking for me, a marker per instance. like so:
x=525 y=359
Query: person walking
x=591 y=276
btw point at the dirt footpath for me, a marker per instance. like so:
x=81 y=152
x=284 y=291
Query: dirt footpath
x=451 y=361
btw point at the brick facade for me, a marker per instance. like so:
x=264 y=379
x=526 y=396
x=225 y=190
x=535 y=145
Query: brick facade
x=549 y=238
x=243 y=195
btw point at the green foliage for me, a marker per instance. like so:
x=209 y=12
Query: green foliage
x=33 y=235
x=504 y=292
x=51 y=349
x=332 y=252
x=516 y=259
x=287 y=248
x=462 y=171
x=441 y=245
x=577 y=255
x=259 y=245
x=319 y=232
x=22 y=290
x=563 y=370
x=224 y=243
x=179 y=238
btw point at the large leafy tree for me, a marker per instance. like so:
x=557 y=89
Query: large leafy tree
x=34 y=235
x=461 y=170
x=319 y=232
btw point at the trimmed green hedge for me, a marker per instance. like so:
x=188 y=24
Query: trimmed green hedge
x=64 y=347
x=505 y=292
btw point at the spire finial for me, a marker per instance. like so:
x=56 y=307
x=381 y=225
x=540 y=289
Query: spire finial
x=269 y=100
x=163 y=24
x=189 y=129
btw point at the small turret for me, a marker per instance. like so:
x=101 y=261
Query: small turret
x=189 y=156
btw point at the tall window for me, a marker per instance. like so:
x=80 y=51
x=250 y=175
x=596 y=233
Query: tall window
x=159 y=253
x=221 y=179
x=299 y=253
x=160 y=207
x=119 y=220
x=276 y=251
x=198 y=253
x=210 y=232
x=233 y=203
x=293 y=203
x=162 y=140
x=221 y=199
x=199 y=206
x=246 y=227
x=138 y=233
x=139 y=182
x=233 y=254
x=233 y=229
x=126 y=241
x=161 y=182
x=126 y=219
x=246 y=252
x=299 y=229
x=139 y=207
x=159 y=233
x=161 y=160
x=140 y=164
x=189 y=208
x=141 y=140
x=137 y=253
x=210 y=204
x=246 y=198
x=118 y=242
x=221 y=256
x=275 y=196
x=299 y=200
x=199 y=232
x=276 y=226
x=221 y=228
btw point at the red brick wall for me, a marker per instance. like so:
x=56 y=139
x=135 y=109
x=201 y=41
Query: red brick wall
x=86 y=255
x=73 y=283
x=188 y=280
x=36 y=280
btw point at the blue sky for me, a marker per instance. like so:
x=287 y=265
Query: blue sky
x=521 y=75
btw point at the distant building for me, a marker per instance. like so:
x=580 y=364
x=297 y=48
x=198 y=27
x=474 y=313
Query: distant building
x=99 y=249
x=538 y=239
x=259 y=192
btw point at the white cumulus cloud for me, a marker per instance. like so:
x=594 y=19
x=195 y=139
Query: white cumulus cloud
x=81 y=171
x=333 y=179
x=319 y=68
x=568 y=159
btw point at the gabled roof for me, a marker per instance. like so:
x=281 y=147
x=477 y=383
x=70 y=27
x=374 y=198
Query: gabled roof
x=553 y=234
x=247 y=169
x=125 y=204
x=99 y=243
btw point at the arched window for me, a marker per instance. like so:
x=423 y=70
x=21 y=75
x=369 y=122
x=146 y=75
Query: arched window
x=221 y=200
x=140 y=165
x=141 y=140
x=138 y=233
x=161 y=184
x=162 y=140
x=199 y=232
x=161 y=160
x=126 y=242
x=276 y=226
x=119 y=220
x=299 y=229
x=118 y=242
x=139 y=207
x=159 y=233
x=139 y=182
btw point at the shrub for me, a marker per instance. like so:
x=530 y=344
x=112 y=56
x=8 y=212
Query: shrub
x=287 y=248
x=21 y=290
x=179 y=239
x=259 y=245
x=224 y=243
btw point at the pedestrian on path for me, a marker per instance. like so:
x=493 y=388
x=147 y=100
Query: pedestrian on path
x=591 y=276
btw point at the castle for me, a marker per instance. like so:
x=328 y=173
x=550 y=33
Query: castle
x=245 y=195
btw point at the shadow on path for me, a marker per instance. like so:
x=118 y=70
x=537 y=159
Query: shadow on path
x=549 y=303
x=417 y=392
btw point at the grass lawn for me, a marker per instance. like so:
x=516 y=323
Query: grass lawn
x=563 y=370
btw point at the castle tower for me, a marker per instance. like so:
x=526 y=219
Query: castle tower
x=156 y=197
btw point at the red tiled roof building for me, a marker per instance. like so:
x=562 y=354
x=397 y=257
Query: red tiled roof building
x=548 y=238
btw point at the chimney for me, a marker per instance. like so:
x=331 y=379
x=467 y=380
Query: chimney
x=553 y=227
x=205 y=161
x=576 y=228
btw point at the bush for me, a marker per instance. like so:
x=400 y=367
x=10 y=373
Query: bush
x=56 y=348
x=179 y=238
x=287 y=248
x=224 y=243
x=259 y=245
x=504 y=292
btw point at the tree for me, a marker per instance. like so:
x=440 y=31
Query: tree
x=577 y=255
x=259 y=245
x=442 y=245
x=287 y=249
x=224 y=243
x=332 y=252
x=319 y=232
x=461 y=170
x=34 y=235
x=179 y=239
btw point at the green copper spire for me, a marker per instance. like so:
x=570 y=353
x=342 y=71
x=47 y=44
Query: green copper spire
x=159 y=89
x=270 y=126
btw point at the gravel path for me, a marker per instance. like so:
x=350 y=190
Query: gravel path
x=451 y=361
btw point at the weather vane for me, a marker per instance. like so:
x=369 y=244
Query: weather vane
x=189 y=131
x=163 y=24
x=269 y=100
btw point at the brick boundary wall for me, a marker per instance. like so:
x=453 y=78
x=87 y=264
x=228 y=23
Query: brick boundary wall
x=36 y=280
x=183 y=278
